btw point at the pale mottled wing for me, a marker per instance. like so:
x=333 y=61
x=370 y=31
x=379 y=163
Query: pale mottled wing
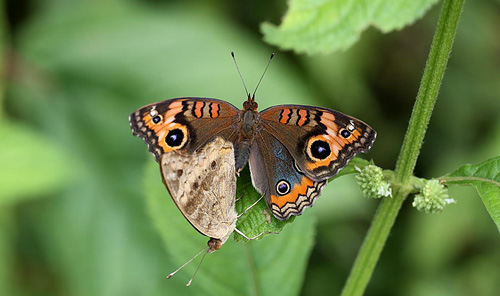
x=203 y=186
x=321 y=141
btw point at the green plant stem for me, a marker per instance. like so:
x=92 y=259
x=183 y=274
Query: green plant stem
x=429 y=88
x=388 y=210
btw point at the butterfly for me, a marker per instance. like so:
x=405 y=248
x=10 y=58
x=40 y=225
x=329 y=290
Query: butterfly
x=202 y=144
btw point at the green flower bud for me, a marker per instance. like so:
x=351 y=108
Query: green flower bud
x=372 y=183
x=433 y=197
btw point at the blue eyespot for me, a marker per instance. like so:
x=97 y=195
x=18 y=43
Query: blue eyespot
x=157 y=119
x=283 y=187
x=174 y=138
x=345 y=133
x=320 y=149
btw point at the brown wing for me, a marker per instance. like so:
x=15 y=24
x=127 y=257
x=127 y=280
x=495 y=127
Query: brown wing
x=321 y=141
x=183 y=124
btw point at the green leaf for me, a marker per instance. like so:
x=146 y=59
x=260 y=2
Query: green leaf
x=30 y=165
x=485 y=176
x=323 y=26
x=257 y=220
x=262 y=267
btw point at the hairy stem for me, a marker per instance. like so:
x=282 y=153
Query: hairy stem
x=426 y=98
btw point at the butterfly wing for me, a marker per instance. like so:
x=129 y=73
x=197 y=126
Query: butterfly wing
x=183 y=124
x=192 y=139
x=203 y=186
x=322 y=141
x=298 y=149
x=286 y=190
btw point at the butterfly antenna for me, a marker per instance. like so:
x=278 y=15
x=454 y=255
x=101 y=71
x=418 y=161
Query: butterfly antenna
x=242 y=80
x=189 y=261
x=265 y=70
x=196 y=271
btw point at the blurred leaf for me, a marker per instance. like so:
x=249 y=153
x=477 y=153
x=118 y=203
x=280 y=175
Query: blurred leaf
x=485 y=177
x=322 y=26
x=261 y=267
x=7 y=250
x=3 y=53
x=31 y=165
x=155 y=54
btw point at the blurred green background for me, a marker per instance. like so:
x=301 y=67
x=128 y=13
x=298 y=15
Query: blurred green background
x=73 y=180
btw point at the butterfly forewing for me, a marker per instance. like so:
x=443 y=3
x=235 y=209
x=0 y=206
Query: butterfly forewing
x=321 y=141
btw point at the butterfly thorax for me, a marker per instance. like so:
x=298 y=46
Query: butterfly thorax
x=249 y=121
x=248 y=124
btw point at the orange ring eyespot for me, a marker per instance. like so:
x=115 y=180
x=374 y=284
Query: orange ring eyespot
x=158 y=119
x=344 y=133
x=155 y=117
x=318 y=148
x=173 y=138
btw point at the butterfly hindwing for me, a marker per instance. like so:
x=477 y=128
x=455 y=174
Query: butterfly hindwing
x=286 y=190
x=203 y=184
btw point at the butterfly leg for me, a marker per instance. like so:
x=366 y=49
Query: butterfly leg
x=251 y=206
x=254 y=237
x=241 y=196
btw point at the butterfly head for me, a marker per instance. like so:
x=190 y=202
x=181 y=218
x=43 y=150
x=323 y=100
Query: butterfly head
x=250 y=103
x=214 y=244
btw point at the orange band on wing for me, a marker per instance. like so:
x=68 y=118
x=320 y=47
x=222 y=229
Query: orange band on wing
x=198 y=109
x=285 y=116
x=354 y=136
x=172 y=112
x=297 y=190
x=327 y=116
x=302 y=117
x=214 y=110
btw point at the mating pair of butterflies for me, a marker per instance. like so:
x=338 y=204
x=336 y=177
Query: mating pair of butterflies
x=202 y=145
